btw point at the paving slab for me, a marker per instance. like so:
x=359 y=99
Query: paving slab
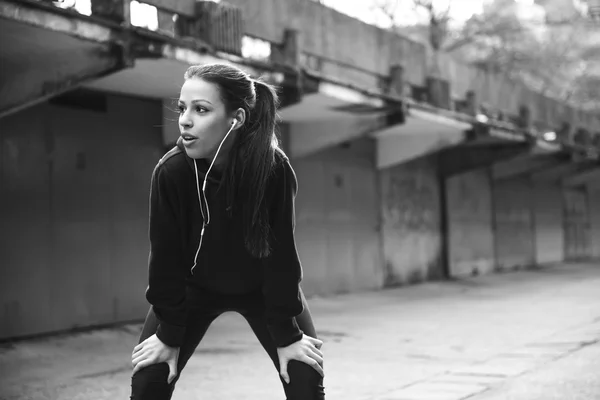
x=407 y=341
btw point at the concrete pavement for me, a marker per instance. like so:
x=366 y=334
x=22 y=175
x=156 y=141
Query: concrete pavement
x=574 y=377
x=434 y=341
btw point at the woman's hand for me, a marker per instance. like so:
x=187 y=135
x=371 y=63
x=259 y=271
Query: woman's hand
x=306 y=350
x=153 y=351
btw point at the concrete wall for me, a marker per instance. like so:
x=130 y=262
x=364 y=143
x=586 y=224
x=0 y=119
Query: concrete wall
x=548 y=223
x=577 y=223
x=337 y=216
x=74 y=211
x=348 y=49
x=411 y=231
x=504 y=223
x=513 y=222
x=337 y=39
x=594 y=202
x=469 y=213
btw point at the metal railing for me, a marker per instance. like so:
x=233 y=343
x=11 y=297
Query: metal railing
x=219 y=25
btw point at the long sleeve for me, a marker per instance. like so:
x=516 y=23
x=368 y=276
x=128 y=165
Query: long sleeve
x=166 y=286
x=282 y=269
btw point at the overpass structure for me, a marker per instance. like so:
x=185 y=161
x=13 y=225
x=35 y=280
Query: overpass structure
x=403 y=176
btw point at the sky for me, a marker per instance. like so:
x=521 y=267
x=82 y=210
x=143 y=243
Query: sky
x=460 y=10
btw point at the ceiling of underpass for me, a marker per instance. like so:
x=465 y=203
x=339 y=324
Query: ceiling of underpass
x=24 y=47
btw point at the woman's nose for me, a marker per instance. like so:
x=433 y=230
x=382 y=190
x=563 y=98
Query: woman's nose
x=184 y=121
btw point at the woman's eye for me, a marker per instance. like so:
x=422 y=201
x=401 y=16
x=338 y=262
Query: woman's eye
x=180 y=109
x=200 y=109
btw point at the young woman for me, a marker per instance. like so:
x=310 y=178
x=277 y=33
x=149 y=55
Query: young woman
x=222 y=238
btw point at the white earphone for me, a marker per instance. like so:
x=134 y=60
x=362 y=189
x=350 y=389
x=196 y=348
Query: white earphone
x=206 y=218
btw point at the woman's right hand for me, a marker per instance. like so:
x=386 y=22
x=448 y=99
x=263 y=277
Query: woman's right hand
x=306 y=350
x=153 y=351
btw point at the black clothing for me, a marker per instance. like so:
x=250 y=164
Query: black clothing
x=224 y=266
x=150 y=383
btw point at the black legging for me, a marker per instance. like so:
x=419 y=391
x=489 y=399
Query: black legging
x=150 y=383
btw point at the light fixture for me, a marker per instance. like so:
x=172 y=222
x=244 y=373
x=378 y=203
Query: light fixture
x=549 y=136
x=482 y=118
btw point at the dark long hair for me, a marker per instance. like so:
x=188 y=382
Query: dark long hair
x=253 y=154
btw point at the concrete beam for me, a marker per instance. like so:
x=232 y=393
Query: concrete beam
x=556 y=173
x=422 y=133
x=472 y=105
x=332 y=102
x=306 y=138
x=290 y=51
x=588 y=176
x=523 y=164
x=38 y=14
x=49 y=79
x=50 y=50
x=467 y=157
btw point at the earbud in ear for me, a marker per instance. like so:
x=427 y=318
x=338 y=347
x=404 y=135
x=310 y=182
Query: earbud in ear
x=233 y=122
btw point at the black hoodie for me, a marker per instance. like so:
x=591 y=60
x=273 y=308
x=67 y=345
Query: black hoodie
x=223 y=263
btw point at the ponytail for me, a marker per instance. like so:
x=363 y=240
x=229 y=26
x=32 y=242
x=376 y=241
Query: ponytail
x=252 y=156
x=256 y=147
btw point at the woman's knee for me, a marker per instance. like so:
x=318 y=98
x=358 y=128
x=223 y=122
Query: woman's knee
x=305 y=382
x=150 y=383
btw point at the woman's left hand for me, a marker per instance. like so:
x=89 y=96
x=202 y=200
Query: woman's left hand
x=306 y=350
x=153 y=351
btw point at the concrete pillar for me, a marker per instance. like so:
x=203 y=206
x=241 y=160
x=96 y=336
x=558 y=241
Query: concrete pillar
x=525 y=117
x=289 y=52
x=472 y=105
x=411 y=221
x=116 y=10
x=438 y=92
x=396 y=85
x=596 y=141
x=570 y=119
x=513 y=223
x=563 y=134
x=548 y=223
x=469 y=218
x=594 y=204
x=582 y=137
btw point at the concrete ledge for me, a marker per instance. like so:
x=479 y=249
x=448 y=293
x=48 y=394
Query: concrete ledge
x=523 y=164
x=583 y=177
x=55 y=19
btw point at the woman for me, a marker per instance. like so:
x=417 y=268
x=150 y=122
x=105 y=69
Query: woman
x=222 y=238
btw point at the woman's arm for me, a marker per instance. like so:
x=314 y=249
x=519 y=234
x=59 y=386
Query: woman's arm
x=282 y=269
x=166 y=286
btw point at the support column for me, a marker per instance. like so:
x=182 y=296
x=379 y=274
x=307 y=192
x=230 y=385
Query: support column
x=289 y=54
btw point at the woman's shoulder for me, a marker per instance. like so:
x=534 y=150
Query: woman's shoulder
x=282 y=165
x=283 y=172
x=173 y=162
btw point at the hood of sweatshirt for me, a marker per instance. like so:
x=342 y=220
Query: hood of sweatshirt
x=203 y=164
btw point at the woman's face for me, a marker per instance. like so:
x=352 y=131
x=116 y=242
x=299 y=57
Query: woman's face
x=203 y=119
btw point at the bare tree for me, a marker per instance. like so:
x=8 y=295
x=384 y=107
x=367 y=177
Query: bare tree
x=558 y=58
x=438 y=30
x=555 y=59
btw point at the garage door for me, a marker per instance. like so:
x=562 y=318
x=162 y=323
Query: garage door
x=576 y=225
x=513 y=222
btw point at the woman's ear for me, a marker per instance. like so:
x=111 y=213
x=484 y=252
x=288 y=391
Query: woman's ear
x=239 y=118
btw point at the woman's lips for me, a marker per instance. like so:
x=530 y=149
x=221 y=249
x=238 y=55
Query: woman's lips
x=187 y=138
